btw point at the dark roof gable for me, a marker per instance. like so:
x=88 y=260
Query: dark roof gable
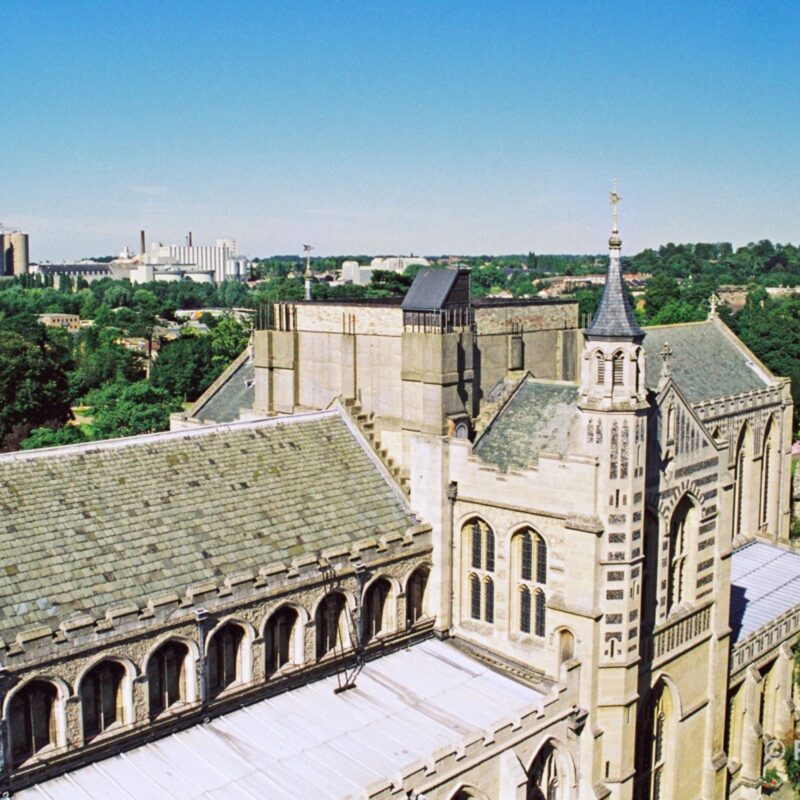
x=434 y=289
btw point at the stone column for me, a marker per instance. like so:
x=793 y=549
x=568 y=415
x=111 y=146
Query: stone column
x=783 y=702
x=751 y=729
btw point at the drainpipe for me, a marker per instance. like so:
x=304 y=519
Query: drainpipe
x=452 y=496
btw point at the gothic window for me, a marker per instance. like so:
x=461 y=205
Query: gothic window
x=539 y=627
x=101 y=698
x=618 y=370
x=488 y=599
x=598 y=434
x=681 y=539
x=481 y=541
x=524 y=609
x=566 y=646
x=613 y=469
x=166 y=676
x=279 y=639
x=477 y=545
x=416 y=592
x=541 y=559
x=32 y=721
x=489 y=565
x=766 y=468
x=546 y=779
x=377 y=609
x=331 y=624
x=224 y=658
x=590 y=432
x=529 y=568
x=526 y=547
x=660 y=746
x=475 y=596
x=671 y=423
x=600 y=368
x=740 y=469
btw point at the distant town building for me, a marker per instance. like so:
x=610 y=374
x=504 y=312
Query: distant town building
x=71 y=322
x=221 y=259
x=361 y=274
x=14 y=250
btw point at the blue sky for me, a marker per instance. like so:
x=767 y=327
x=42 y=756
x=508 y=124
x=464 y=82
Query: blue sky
x=384 y=127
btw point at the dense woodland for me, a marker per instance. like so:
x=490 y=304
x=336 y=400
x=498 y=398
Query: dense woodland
x=45 y=373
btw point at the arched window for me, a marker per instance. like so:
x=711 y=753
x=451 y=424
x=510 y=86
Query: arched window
x=529 y=568
x=488 y=600
x=101 y=698
x=224 y=658
x=416 y=593
x=480 y=539
x=539 y=625
x=661 y=726
x=682 y=535
x=524 y=609
x=166 y=676
x=279 y=639
x=671 y=423
x=526 y=556
x=600 y=368
x=768 y=462
x=474 y=596
x=32 y=721
x=377 y=609
x=618 y=370
x=566 y=646
x=546 y=777
x=332 y=624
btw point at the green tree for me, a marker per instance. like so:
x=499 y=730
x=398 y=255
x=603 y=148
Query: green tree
x=228 y=339
x=33 y=388
x=184 y=367
x=53 y=437
x=138 y=408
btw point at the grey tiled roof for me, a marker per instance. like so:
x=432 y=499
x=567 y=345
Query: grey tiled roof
x=765 y=583
x=429 y=290
x=706 y=362
x=614 y=316
x=537 y=418
x=86 y=527
x=237 y=392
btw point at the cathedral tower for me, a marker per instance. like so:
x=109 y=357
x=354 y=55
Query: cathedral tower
x=614 y=410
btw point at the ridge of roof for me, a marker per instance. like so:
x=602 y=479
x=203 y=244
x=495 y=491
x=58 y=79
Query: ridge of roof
x=158 y=436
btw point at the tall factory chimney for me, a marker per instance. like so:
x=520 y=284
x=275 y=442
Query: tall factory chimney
x=190 y=238
x=141 y=242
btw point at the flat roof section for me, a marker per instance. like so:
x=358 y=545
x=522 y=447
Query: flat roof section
x=310 y=742
x=765 y=583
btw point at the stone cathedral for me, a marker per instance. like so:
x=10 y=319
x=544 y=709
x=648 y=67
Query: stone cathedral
x=442 y=548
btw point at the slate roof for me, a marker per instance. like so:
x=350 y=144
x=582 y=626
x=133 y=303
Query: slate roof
x=537 y=418
x=614 y=317
x=430 y=289
x=410 y=707
x=765 y=583
x=85 y=527
x=706 y=361
x=235 y=392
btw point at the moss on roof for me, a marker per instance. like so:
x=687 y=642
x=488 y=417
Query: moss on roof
x=537 y=418
x=85 y=528
x=706 y=361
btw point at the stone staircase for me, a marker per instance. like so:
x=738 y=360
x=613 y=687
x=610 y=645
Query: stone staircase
x=365 y=424
x=497 y=397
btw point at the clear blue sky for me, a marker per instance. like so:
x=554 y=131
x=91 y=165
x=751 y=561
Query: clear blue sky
x=383 y=127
